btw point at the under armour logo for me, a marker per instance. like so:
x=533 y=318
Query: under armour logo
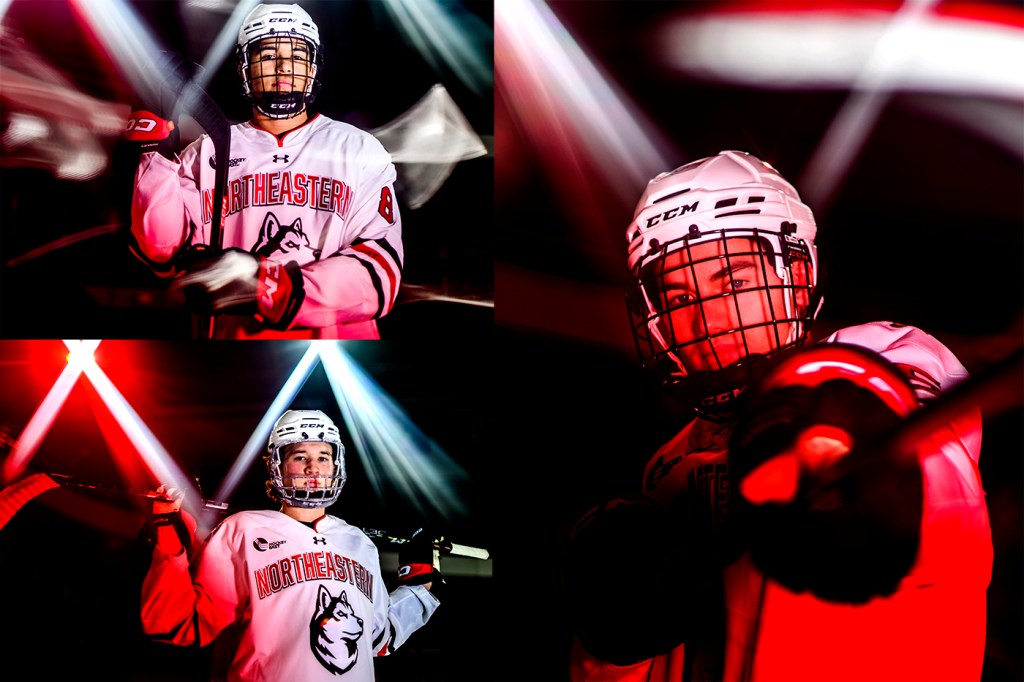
x=280 y=158
x=319 y=541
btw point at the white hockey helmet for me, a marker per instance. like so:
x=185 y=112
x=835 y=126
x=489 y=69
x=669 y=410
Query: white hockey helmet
x=300 y=426
x=731 y=194
x=279 y=21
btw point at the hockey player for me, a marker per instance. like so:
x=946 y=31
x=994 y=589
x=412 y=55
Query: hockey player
x=777 y=535
x=312 y=243
x=297 y=591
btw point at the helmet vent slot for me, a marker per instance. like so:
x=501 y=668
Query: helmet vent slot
x=749 y=211
x=669 y=196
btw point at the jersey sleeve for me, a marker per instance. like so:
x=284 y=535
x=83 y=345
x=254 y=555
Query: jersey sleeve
x=191 y=605
x=360 y=280
x=409 y=609
x=165 y=204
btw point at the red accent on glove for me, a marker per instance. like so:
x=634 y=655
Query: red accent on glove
x=814 y=366
x=410 y=571
x=145 y=126
x=279 y=293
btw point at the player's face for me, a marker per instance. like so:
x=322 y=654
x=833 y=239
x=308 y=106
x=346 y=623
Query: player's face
x=720 y=305
x=307 y=465
x=280 y=65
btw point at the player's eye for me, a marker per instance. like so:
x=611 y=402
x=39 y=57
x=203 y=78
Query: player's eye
x=737 y=284
x=675 y=298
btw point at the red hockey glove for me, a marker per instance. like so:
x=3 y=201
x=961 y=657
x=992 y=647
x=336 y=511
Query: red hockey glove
x=822 y=503
x=280 y=291
x=168 y=527
x=675 y=575
x=149 y=132
x=416 y=561
x=151 y=126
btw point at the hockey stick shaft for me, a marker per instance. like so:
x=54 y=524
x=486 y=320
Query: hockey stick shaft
x=210 y=117
x=15 y=496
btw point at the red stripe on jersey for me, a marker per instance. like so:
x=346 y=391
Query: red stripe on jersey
x=384 y=264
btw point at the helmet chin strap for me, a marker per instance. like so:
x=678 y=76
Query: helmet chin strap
x=279 y=104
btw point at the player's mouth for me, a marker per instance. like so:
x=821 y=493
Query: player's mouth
x=283 y=84
x=704 y=358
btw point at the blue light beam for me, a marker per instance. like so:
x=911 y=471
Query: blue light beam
x=391 y=448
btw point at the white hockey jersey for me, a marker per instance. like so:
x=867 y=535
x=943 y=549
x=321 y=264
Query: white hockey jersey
x=302 y=603
x=321 y=195
x=931 y=628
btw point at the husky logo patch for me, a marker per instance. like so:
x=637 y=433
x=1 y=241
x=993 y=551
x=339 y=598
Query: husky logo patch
x=275 y=237
x=334 y=632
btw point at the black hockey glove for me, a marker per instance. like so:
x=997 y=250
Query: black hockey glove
x=223 y=282
x=671 y=579
x=417 y=560
x=821 y=502
x=168 y=527
x=235 y=282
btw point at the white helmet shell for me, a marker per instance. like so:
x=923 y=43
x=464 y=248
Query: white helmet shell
x=265 y=21
x=300 y=426
x=731 y=192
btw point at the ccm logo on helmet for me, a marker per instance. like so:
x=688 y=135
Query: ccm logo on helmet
x=671 y=213
x=279 y=20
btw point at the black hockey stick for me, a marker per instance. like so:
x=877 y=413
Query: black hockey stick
x=209 y=116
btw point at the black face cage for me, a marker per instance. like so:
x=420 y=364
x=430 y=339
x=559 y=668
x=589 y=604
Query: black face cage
x=713 y=393
x=276 y=104
x=303 y=497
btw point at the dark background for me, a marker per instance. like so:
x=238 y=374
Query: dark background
x=93 y=287
x=925 y=229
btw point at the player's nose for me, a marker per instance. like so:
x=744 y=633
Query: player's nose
x=716 y=315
